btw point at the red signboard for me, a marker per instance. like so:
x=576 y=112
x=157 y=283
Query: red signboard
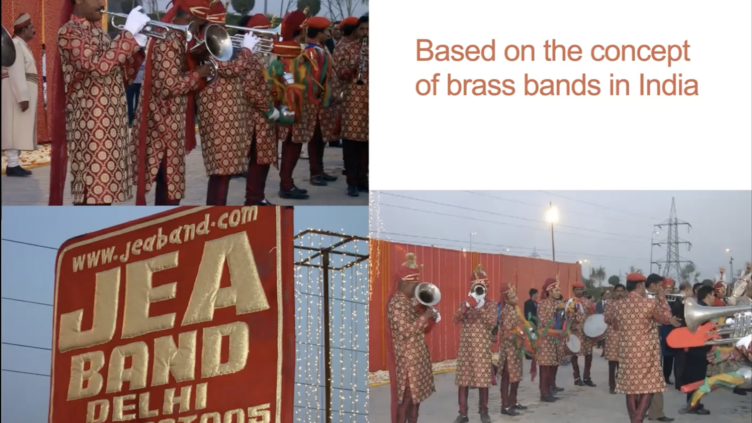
x=181 y=317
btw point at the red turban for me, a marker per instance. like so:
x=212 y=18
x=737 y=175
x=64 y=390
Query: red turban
x=550 y=284
x=197 y=8
x=217 y=13
x=259 y=21
x=349 y=21
x=578 y=285
x=318 y=22
x=636 y=277
x=668 y=283
x=719 y=286
x=291 y=23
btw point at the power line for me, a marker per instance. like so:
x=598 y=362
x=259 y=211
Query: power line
x=25 y=301
x=503 y=223
x=30 y=244
x=24 y=373
x=601 y=206
x=509 y=216
x=27 y=346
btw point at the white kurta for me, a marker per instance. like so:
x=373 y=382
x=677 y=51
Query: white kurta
x=20 y=83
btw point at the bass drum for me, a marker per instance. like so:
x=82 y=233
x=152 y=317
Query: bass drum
x=595 y=327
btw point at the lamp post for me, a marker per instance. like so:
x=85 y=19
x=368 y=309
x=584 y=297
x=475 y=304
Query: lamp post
x=552 y=216
x=731 y=269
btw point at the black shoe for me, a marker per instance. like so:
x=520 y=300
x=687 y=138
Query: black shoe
x=485 y=418
x=700 y=411
x=519 y=406
x=461 y=419
x=509 y=412
x=556 y=389
x=668 y=382
x=547 y=398
x=578 y=382
x=663 y=419
x=318 y=181
x=363 y=187
x=739 y=391
x=352 y=191
x=589 y=382
x=293 y=194
x=327 y=177
x=17 y=171
x=264 y=202
x=612 y=391
x=304 y=191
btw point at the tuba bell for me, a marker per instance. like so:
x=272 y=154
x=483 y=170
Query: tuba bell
x=427 y=294
x=478 y=290
x=8 y=49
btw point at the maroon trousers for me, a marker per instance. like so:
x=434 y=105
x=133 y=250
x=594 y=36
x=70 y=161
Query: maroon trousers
x=508 y=390
x=316 y=152
x=482 y=400
x=637 y=406
x=547 y=375
x=290 y=157
x=161 y=190
x=256 y=179
x=216 y=194
x=407 y=412
x=576 y=366
x=356 y=161
x=613 y=366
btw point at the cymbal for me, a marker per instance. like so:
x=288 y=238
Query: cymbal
x=8 y=49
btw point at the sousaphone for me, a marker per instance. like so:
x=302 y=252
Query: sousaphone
x=8 y=50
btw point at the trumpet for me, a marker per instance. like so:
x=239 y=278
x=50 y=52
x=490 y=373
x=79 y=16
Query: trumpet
x=215 y=46
x=736 y=327
x=150 y=28
x=428 y=294
x=267 y=37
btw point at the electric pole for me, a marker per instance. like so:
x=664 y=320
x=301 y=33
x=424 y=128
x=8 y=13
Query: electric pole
x=674 y=261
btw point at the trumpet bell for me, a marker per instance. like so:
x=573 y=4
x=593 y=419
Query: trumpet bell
x=478 y=289
x=8 y=49
x=427 y=294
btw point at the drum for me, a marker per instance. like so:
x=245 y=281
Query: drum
x=572 y=345
x=595 y=327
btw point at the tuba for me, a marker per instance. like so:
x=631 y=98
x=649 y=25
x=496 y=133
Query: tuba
x=478 y=290
x=8 y=49
x=428 y=294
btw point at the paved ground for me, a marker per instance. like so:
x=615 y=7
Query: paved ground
x=34 y=190
x=577 y=404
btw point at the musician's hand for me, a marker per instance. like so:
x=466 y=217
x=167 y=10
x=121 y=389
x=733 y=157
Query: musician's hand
x=429 y=313
x=136 y=21
x=675 y=322
x=24 y=105
x=250 y=41
x=204 y=71
x=274 y=116
x=141 y=39
x=480 y=303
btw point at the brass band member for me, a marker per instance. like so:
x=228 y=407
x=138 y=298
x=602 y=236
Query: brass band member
x=477 y=315
x=164 y=130
x=223 y=114
x=611 y=349
x=351 y=58
x=719 y=290
x=88 y=104
x=511 y=350
x=640 y=374
x=653 y=285
x=20 y=84
x=263 y=132
x=408 y=359
x=548 y=353
x=585 y=308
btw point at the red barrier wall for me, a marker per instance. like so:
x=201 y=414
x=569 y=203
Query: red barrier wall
x=450 y=271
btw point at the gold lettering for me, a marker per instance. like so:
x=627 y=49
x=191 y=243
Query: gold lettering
x=149 y=244
x=234 y=219
x=212 y=349
x=136 y=249
x=215 y=417
x=170 y=400
x=175 y=236
x=91 y=411
x=92 y=377
x=246 y=292
x=139 y=294
x=162 y=239
x=78 y=263
x=119 y=409
x=168 y=358
x=167 y=421
x=189 y=232
x=187 y=419
x=222 y=221
x=259 y=414
x=201 y=396
x=143 y=406
x=239 y=414
x=135 y=375
x=203 y=227
x=127 y=254
x=250 y=214
x=105 y=315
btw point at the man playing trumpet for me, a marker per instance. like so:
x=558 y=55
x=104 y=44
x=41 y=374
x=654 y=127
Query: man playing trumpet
x=477 y=315
x=164 y=130
x=89 y=113
x=511 y=350
x=408 y=359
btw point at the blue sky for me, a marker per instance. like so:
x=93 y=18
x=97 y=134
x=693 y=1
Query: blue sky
x=27 y=274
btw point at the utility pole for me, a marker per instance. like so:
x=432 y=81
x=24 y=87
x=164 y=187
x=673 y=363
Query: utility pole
x=674 y=261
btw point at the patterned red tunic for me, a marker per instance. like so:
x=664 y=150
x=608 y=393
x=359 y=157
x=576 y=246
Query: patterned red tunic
x=612 y=333
x=96 y=71
x=578 y=325
x=640 y=369
x=168 y=103
x=330 y=117
x=223 y=117
x=410 y=349
x=355 y=110
x=474 y=358
x=261 y=103
x=511 y=349
x=549 y=351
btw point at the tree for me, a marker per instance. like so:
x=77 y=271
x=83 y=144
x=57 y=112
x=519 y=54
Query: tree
x=688 y=271
x=243 y=7
x=614 y=280
x=313 y=5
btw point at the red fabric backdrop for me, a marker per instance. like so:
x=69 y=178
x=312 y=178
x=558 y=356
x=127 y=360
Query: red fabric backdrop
x=450 y=271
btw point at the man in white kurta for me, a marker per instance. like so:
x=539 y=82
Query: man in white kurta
x=19 y=99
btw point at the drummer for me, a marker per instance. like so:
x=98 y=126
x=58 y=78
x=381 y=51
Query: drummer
x=583 y=309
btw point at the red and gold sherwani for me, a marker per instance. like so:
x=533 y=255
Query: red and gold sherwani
x=549 y=350
x=640 y=372
x=224 y=118
x=611 y=348
x=414 y=375
x=584 y=309
x=166 y=118
x=96 y=71
x=355 y=109
x=474 y=358
x=511 y=350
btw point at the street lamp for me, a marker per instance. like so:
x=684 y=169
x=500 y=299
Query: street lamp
x=552 y=216
x=731 y=268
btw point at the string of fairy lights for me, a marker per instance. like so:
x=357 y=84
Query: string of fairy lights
x=348 y=318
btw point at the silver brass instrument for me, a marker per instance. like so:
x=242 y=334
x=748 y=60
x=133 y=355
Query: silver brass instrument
x=428 y=294
x=267 y=37
x=670 y=298
x=216 y=45
x=738 y=295
x=8 y=49
x=737 y=326
x=478 y=290
x=363 y=47
x=150 y=28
